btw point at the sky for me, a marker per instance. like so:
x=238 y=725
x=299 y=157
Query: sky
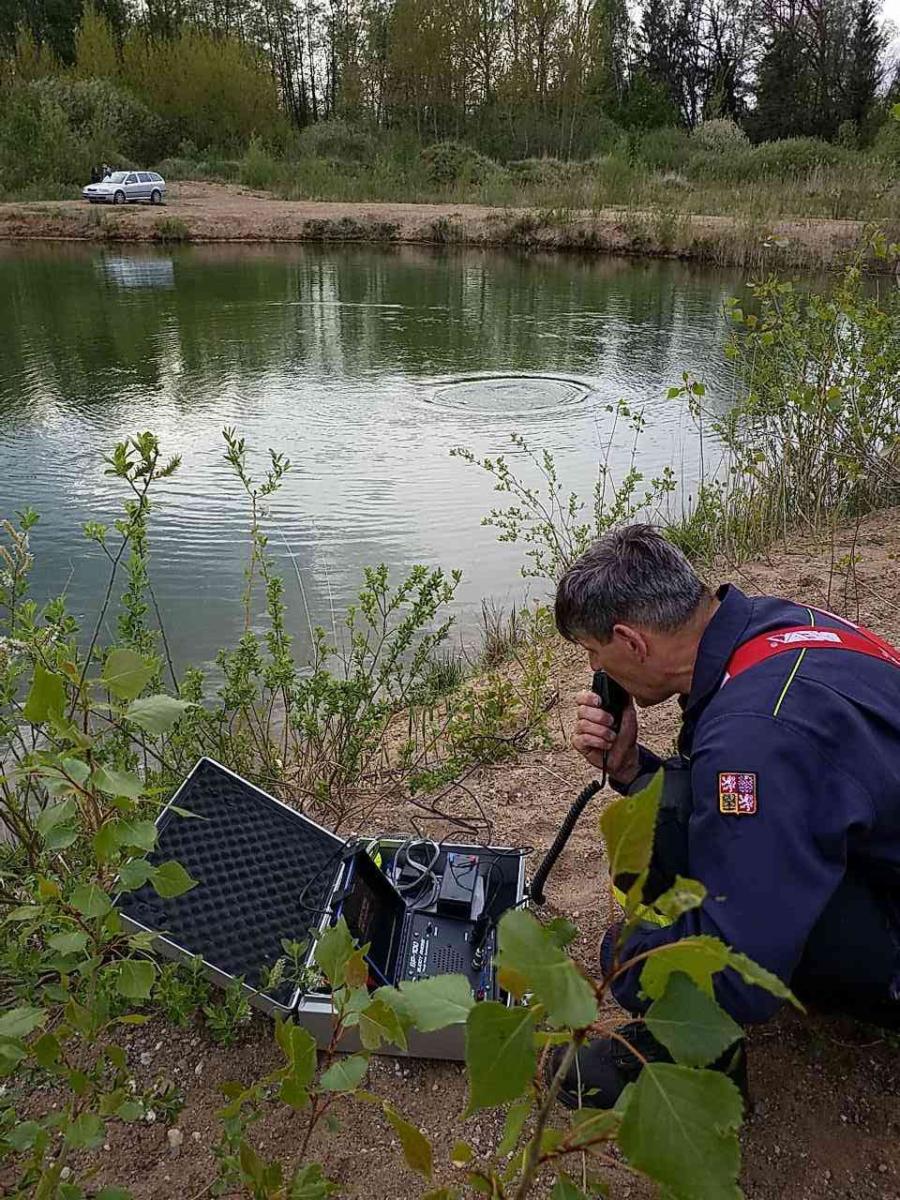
x=892 y=13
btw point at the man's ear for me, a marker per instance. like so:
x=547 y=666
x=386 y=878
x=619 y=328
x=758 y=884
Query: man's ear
x=632 y=641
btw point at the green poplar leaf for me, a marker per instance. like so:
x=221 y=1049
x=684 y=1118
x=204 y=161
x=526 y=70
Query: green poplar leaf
x=19 y=1022
x=628 y=826
x=534 y=954
x=135 y=978
x=11 y=1054
x=90 y=900
x=61 y=837
x=46 y=1050
x=156 y=715
x=682 y=896
x=118 y=783
x=344 y=1074
x=680 y=1128
x=461 y=1154
x=46 y=697
x=562 y=931
x=416 y=1147
x=690 y=1024
x=512 y=1128
x=135 y=874
x=130 y=1110
x=113 y=1192
x=432 y=1003
x=107 y=841
x=590 y=1125
x=170 y=879
x=140 y=834
x=25 y=912
x=380 y=1023
x=23 y=1136
x=293 y=1093
x=55 y=815
x=76 y=770
x=500 y=1053
x=334 y=950
x=86 y=1132
x=300 y=1053
x=126 y=674
x=565 y=1189
x=354 y=1001
x=752 y=972
x=308 y=1183
x=699 y=957
x=68 y=943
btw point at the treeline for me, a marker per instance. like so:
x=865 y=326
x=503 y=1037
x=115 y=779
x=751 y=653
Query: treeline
x=515 y=79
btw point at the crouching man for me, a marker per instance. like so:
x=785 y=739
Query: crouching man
x=783 y=800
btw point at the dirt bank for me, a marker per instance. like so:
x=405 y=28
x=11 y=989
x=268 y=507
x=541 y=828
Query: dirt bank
x=826 y=1092
x=207 y=212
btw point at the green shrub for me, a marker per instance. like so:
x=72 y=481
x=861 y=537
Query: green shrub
x=258 y=168
x=796 y=156
x=339 y=140
x=887 y=143
x=171 y=229
x=110 y=120
x=665 y=149
x=719 y=136
x=37 y=142
x=734 y=166
x=454 y=162
x=543 y=171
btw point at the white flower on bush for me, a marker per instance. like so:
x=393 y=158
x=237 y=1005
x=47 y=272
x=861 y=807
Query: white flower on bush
x=719 y=135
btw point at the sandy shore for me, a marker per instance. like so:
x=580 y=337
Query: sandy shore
x=207 y=212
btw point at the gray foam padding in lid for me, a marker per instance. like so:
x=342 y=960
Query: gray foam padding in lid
x=264 y=873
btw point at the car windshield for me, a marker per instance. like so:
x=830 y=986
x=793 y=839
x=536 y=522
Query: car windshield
x=116 y=177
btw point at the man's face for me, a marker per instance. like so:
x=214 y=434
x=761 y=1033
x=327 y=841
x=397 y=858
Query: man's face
x=635 y=660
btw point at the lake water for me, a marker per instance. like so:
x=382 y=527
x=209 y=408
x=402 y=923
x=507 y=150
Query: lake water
x=364 y=365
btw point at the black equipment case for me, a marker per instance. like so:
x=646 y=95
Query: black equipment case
x=265 y=873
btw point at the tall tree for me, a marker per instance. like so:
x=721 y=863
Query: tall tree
x=865 y=65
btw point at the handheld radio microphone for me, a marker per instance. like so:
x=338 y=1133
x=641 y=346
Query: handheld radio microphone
x=614 y=699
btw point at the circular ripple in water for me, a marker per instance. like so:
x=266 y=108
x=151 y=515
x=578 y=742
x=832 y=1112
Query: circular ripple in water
x=509 y=395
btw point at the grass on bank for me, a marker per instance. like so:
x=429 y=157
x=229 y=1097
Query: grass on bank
x=665 y=169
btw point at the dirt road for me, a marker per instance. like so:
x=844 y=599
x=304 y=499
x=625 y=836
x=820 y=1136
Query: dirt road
x=208 y=212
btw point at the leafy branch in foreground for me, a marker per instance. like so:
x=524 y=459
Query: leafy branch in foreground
x=551 y=523
x=678 y=1124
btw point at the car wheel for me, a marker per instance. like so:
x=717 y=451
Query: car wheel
x=119 y=198
x=156 y=196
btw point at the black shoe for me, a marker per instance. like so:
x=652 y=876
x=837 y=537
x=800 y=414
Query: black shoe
x=603 y=1068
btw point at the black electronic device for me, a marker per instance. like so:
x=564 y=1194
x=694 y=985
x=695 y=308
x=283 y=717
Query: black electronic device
x=406 y=942
x=614 y=700
x=266 y=874
x=613 y=697
x=458 y=884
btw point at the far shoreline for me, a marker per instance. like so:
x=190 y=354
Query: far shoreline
x=209 y=213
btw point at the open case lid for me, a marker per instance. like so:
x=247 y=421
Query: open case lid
x=264 y=872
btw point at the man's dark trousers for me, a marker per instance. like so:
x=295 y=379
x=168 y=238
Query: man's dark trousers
x=851 y=961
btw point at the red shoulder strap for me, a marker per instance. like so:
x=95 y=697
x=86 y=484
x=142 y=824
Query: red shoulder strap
x=808 y=637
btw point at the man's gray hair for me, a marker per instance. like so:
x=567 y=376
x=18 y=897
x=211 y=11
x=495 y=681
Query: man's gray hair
x=630 y=576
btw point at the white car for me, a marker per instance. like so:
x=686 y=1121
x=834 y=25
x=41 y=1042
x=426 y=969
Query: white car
x=123 y=186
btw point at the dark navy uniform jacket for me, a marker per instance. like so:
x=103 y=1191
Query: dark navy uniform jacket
x=820 y=730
